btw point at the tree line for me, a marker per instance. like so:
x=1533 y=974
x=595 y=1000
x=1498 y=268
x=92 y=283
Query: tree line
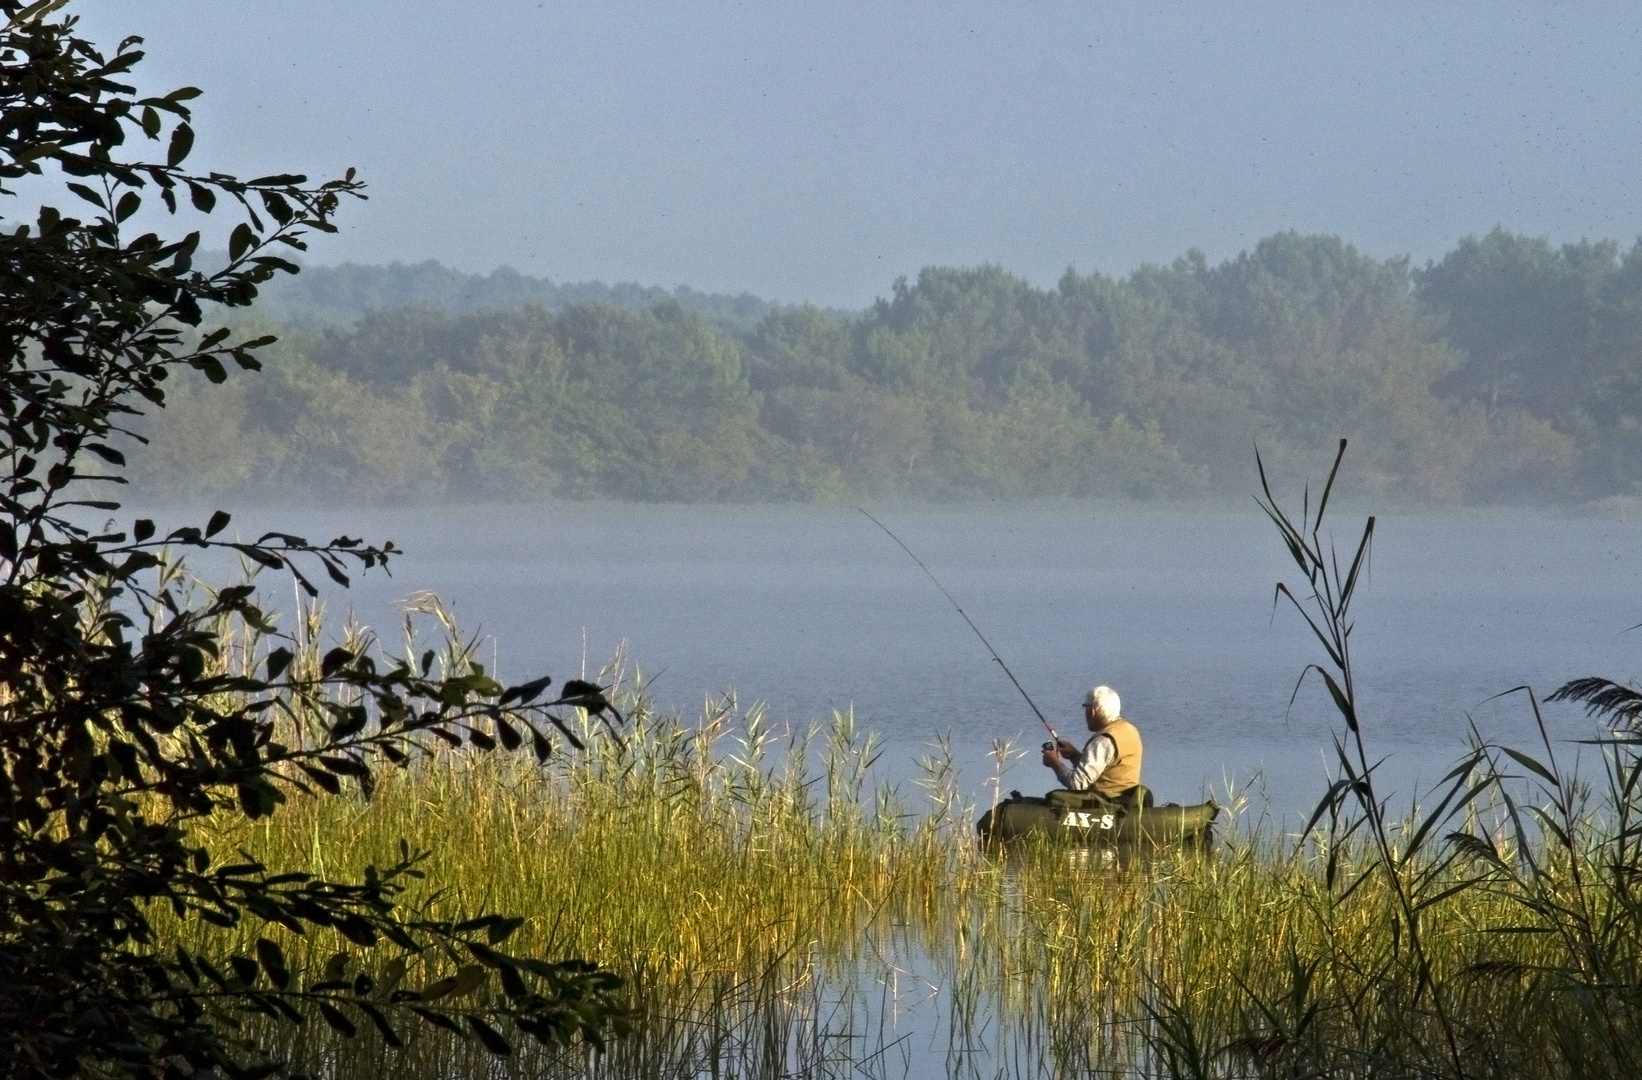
x=1508 y=371
x=338 y=295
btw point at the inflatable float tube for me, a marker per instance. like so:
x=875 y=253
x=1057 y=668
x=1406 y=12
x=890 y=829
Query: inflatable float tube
x=1084 y=819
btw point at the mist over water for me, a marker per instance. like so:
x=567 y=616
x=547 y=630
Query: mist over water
x=809 y=610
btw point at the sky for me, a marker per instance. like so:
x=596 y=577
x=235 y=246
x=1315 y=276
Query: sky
x=818 y=151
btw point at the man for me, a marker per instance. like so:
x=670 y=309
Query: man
x=1110 y=761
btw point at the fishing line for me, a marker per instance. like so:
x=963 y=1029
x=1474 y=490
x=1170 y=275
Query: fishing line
x=956 y=607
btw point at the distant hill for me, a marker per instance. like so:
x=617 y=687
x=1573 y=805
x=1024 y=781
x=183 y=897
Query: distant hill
x=339 y=295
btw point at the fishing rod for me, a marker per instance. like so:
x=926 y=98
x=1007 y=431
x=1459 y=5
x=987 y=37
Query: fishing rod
x=955 y=606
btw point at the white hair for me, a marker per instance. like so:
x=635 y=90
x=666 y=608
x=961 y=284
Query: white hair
x=1104 y=700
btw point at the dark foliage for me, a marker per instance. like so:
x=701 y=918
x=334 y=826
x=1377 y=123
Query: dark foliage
x=122 y=721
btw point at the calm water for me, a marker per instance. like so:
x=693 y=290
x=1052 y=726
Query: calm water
x=810 y=610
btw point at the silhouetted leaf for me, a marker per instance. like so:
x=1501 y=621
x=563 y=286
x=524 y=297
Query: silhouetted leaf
x=357 y=930
x=525 y=692
x=490 y=1037
x=240 y=241
x=393 y=973
x=245 y=969
x=584 y=695
x=467 y=979
x=337 y=1021
x=214 y=371
x=389 y=1035
x=502 y=929
x=512 y=984
x=336 y=966
x=438 y=1019
x=322 y=778
x=182 y=143
x=87 y=194
x=278 y=661
x=273 y=963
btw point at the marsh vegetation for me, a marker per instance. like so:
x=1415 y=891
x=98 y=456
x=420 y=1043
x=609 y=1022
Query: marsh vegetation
x=774 y=912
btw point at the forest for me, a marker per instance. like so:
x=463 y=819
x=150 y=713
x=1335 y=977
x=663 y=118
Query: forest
x=1510 y=371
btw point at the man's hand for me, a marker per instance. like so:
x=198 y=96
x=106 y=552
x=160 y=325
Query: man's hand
x=1055 y=753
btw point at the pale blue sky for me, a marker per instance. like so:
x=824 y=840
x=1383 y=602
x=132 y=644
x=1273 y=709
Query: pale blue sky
x=817 y=151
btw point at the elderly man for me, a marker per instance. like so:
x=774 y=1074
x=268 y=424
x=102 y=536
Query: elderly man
x=1110 y=761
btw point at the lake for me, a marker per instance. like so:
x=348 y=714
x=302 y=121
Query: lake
x=808 y=610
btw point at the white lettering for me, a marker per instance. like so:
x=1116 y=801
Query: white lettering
x=1106 y=821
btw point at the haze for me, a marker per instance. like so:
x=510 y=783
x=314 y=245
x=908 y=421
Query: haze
x=817 y=152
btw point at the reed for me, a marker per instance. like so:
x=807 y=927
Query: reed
x=775 y=912
x=776 y=915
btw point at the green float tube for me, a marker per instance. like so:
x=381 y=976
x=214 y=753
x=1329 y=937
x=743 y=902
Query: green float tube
x=1085 y=819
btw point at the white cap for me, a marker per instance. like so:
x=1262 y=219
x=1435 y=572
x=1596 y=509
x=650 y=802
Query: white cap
x=1105 y=702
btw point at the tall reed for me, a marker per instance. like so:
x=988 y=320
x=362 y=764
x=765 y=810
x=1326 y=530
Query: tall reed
x=1495 y=933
